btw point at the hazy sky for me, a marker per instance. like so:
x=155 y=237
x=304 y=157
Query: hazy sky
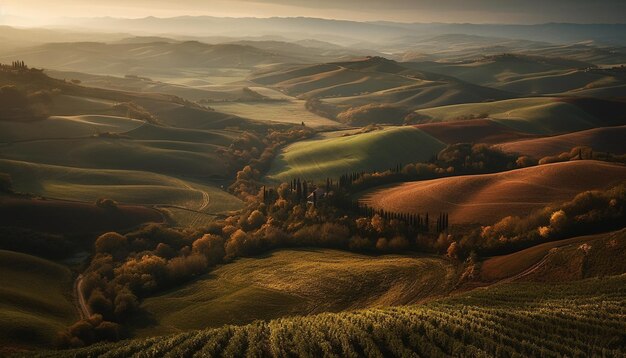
x=474 y=11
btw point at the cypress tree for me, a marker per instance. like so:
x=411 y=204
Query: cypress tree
x=299 y=190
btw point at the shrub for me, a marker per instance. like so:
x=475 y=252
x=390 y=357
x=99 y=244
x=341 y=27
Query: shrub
x=106 y=203
x=211 y=246
x=256 y=219
x=373 y=113
x=111 y=242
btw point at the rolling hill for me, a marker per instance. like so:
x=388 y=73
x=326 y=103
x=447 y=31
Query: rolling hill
x=563 y=260
x=191 y=89
x=194 y=160
x=35 y=301
x=373 y=80
x=606 y=139
x=472 y=131
x=463 y=325
x=488 y=198
x=68 y=217
x=330 y=156
x=538 y=116
x=124 y=186
x=167 y=59
x=425 y=94
x=296 y=282
x=499 y=70
x=336 y=79
x=59 y=127
x=530 y=75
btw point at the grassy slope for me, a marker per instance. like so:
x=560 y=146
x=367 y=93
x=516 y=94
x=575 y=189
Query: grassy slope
x=564 y=260
x=582 y=318
x=474 y=131
x=490 y=197
x=566 y=82
x=424 y=94
x=501 y=267
x=128 y=186
x=496 y=70
x=542 y=115
x=291 y=111
x=320 y=158
x=65 y=127
x=57 y=216
x=336 y=79
x=158 y=156
x=607 y=139
x=526 y=75
x=35 y=300
x=293 y=282
x=190 y=88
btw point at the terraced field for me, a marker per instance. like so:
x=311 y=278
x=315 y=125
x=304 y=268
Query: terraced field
x=329 y=156
x=35 y=300
x=295 y=282
x=583 y=318
x=489 y=197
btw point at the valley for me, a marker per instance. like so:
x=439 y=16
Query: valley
x=290 y=186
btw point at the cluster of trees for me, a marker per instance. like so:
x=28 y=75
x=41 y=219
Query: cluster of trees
x=136 y=111
x=255 y=155
x=456 y=159
x=372 y=113
x=589 y=212
x=19 y=65
x=583 y=153
x=106 y=203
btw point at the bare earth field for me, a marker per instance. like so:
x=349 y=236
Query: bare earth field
x=490 y=197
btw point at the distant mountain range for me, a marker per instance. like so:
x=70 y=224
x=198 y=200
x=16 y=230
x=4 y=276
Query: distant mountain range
x=351 y=32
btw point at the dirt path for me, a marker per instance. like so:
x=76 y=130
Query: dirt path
x=81 y=303
x=529 y=270
x=206 y=199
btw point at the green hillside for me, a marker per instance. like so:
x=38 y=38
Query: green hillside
x=423 y=94
x=65 y=127
x=332 y=156
x=35 y=300
x=158 y=156
x=288 y=111
x=126 y=186
x=581 y=318
x=525 y=74
x=293 y=282
x=541 y=115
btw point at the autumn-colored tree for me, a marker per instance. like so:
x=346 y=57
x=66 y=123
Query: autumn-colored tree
x=111 y=242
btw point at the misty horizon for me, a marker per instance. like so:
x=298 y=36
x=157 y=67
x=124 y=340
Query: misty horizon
x=41 y=13
x=297 y=178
